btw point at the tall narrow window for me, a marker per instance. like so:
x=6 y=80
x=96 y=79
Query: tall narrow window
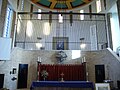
x=0 y=5
x=22 y=5
x=39 y=15
x=8 y=22
x=98 y=5
x=81 y=16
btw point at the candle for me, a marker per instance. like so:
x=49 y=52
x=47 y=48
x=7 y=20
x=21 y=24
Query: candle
x=84 y=59
x=87 y=76
x=87 y=73
x=39 y=59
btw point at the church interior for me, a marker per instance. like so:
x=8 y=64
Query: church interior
x=59 y=44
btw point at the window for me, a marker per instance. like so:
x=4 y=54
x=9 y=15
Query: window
x=8 y=20
x=98 y=5
x=22 y=5
x=60 y=18
x=81 y=16
x=0 y=5
x=39 y=15
x=76 y=54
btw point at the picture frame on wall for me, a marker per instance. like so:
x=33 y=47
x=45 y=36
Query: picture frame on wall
x=60 y=43
x=102 y=86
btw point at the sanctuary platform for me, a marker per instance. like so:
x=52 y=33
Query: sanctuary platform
x=62 y=85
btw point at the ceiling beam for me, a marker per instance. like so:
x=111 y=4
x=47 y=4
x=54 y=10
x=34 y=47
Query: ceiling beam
x=68 y=5
x=34 y=1
x=61 y=13
x=53 y=4
x=86 y=1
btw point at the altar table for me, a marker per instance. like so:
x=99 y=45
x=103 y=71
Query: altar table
x=61 y=84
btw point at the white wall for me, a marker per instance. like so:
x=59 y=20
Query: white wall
x=13 y=3
x=115 y=27
x=5 y=48
x=109 y=4
x=20 y=56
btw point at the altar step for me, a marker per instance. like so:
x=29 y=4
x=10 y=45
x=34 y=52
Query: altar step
x=51 y=88
x=115 y=89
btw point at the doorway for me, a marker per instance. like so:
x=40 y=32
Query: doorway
x=99 y=73
x=22 y=76
x=1 y=80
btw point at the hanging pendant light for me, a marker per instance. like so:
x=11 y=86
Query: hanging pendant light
x=50 y=17
x=31 y=11
x=71 y=18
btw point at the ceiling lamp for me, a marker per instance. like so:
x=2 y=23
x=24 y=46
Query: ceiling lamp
x=82 y=44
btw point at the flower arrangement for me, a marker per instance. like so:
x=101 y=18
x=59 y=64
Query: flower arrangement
x=44 y=74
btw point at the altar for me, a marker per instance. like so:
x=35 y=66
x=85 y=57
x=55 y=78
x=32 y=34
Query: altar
x=62 y=77
x=62 y=85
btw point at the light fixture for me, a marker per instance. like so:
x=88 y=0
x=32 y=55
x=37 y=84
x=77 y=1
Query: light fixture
x=41 y=44
x=29 y=29
x=71 y=18
x=39 y=15
x=81 y=39
x=38 y=45
x=82 y=44
x=31 y=10
x=81 y=16
x=39 y=38
x=60 y=18
x=50 y=17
